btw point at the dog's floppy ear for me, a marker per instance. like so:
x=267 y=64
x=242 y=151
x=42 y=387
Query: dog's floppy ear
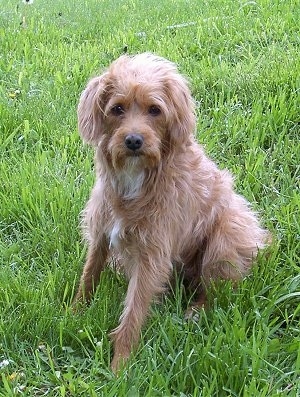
x=182 y=121
x=90 y=109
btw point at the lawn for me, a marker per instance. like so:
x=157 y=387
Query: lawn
x=243 y=61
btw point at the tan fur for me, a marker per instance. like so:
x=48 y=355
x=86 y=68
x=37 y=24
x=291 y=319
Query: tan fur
x=162 y=204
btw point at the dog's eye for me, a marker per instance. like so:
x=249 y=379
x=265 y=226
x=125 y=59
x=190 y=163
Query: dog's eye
x=154 y=110
x=117 y=110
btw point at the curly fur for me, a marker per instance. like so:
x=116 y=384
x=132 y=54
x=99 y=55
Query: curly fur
x=161 y=204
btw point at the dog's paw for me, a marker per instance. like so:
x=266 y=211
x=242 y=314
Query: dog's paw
x=193 y=313
x=118 y=362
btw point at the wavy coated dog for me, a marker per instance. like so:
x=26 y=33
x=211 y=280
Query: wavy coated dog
x=158 y=201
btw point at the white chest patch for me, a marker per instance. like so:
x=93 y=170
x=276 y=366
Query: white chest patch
x=115 y=234
x=130 y=180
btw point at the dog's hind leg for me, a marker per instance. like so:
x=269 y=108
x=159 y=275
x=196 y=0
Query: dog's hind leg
x=233 y=244
x=193 y=281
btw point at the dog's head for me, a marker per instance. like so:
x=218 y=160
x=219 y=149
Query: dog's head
x=138 y=111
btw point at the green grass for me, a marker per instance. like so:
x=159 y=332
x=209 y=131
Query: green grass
x=243 y=61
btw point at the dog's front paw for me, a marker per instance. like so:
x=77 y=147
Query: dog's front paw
x=123 y=345
x=119 y=362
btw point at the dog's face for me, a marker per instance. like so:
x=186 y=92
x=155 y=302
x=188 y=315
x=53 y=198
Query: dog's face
x=137 y=112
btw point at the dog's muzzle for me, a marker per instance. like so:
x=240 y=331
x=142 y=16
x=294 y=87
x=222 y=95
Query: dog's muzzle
x=134 y=141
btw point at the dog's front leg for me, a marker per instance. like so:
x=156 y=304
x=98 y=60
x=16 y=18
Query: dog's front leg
x=95 y=262
x=147 y=281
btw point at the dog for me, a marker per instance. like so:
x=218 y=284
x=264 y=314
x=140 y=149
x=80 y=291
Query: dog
x=158 y=202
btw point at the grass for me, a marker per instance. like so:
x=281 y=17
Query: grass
x=242 y=58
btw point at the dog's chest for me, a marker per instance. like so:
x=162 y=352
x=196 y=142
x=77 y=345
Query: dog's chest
x=122 y=234
x=115 y=234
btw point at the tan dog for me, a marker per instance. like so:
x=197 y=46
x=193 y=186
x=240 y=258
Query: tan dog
x=158 y=200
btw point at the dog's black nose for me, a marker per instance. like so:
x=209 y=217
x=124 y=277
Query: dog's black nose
x=134 y=141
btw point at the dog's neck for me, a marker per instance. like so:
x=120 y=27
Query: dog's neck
x=129 y=181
